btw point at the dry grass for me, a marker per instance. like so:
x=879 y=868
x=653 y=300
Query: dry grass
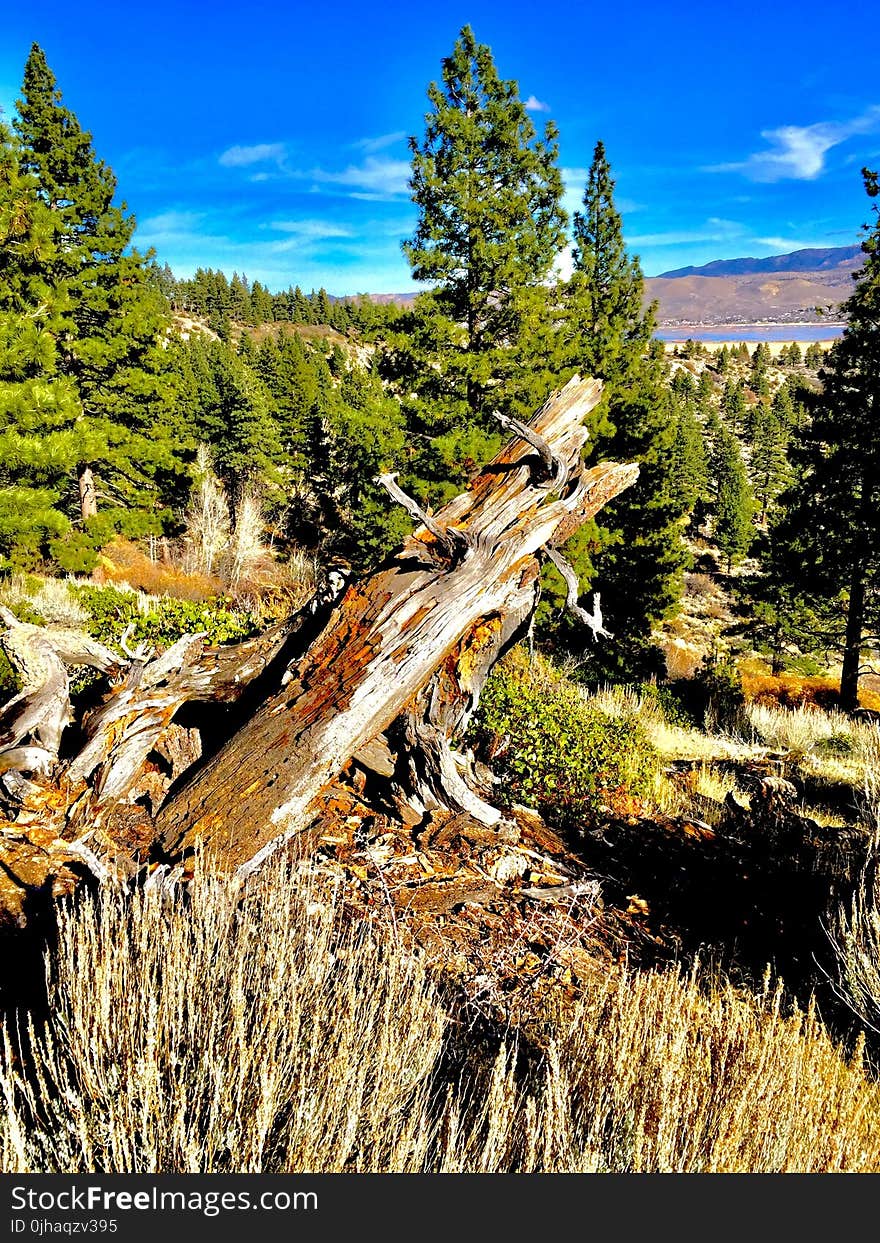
x=828 y=745
x=125 y=564
x=666 y=1077
x=250 y=1030
x=857 y=934
x=50 y=597
x=241 y=1035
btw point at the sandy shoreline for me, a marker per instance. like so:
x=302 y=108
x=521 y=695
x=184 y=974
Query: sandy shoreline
x=697 y=331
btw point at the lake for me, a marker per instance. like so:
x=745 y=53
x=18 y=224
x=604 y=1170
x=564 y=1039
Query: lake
x=751 y=332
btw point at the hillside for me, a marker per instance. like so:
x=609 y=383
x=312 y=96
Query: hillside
x=830 y=259
x=778 y=289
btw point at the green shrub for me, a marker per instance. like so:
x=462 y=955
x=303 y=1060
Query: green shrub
x=555 y=751
x=74 y=552
x=112 y=610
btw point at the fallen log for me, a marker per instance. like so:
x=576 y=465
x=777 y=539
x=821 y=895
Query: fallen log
x=381 y=680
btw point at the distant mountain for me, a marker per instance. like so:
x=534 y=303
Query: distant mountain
x=780 y=289
x=816 y=259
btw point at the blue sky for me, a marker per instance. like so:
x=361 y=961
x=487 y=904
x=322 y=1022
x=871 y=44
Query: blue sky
x=270 y=137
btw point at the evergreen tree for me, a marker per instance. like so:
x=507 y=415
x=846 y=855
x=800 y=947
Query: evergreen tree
x=769 y=467
x=734 y=406
x=110 y=346
x=228 y=407
x=490 y=226
x=688 y=465
x=638 y=553
x=734 y=506
x=831 y=532
x=42 y=437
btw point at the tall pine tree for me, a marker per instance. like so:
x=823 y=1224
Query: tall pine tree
x=42 y=432
x=829 y=538
x=490 y=226
x=638 y=551
x=111 y=345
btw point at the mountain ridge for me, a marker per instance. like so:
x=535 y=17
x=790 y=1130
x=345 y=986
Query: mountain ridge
x=810 y=259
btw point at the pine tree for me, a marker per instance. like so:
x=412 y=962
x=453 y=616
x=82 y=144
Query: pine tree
x=111 y=345
x=769 y=467
x=734 y=406
x=490 y=227
x=228 y=407
x=41 y=434
x=831 y=532
x=734 y=506
x=638 y=552
x=688 y=465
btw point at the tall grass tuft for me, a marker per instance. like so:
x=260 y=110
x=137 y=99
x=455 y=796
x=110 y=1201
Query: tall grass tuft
x=857 y=936
x=245 y=1034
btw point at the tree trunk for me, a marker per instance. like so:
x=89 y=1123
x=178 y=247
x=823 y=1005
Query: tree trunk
x=234 y=748
x=852 y=651
x=88 y=495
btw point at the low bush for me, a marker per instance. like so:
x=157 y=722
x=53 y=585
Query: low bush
x=252 y=1030
x=122 y=561
x=160 y=620
x=555 y=750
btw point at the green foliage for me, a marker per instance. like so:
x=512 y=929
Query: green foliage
x=734 y=505
x=555 y=751
x=636 y=552
x=74 y=553
x=83 y=379
x=159 y=620
x=490 y=225
x=829 y=533
x=715 y=695
x=688 y=467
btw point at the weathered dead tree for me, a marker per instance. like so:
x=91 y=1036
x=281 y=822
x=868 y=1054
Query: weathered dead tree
x=234 y=747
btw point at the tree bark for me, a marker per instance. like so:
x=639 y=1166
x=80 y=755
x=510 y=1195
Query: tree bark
x=88 y=494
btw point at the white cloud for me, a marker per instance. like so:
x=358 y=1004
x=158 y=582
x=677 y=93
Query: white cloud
x=371 y=145
x=260 y=153
x=714 y=230
x=309 y=230
x=376 y=178
x=574 y=181
x=797 y=152
x=784 y=245
x=170 y=222
x=533 y=104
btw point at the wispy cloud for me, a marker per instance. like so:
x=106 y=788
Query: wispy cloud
x=784 y=245
x=797 y=152
x=574 y=181
x=260 y=153
x=341 y=256
x=533 y=104
x=714 y=230
x=377 y=178
x=309 y=230
x=371 y=145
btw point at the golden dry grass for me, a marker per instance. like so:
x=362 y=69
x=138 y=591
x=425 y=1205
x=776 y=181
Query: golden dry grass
x=249 y=1030
x=240 y=1035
